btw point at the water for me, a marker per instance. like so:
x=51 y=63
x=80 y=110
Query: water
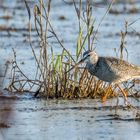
x=25 y=118
x=66 y=119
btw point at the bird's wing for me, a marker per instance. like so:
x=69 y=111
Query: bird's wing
x=116 y=65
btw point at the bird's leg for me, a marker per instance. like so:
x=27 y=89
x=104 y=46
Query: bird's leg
x=106 y=94
x=124 y=94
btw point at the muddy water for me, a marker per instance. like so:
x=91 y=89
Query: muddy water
x=25 y=118
x=29 y=119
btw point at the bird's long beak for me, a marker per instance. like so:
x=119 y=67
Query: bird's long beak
x=81 y=61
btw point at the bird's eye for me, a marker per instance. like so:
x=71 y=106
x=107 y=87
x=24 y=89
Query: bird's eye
x=88 y=55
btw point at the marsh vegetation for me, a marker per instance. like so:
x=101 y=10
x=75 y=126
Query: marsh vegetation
x=40 y=41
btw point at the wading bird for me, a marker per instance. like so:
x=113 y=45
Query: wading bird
x=109 y=69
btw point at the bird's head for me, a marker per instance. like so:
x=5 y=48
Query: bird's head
x=88 y=57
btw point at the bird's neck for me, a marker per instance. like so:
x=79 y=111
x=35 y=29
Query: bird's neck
x=91 y=65
x=91 y=68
